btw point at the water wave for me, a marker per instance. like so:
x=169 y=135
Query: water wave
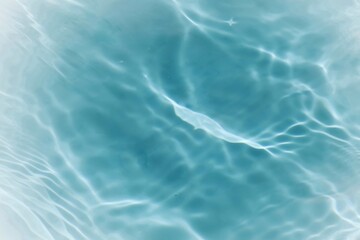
x=179 y=120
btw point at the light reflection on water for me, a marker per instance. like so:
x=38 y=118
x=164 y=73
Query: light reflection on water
x=178 y=120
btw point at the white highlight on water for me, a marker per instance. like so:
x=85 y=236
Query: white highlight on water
x=202 y=121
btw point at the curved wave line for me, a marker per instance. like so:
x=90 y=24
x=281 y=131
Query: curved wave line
x=209 y=125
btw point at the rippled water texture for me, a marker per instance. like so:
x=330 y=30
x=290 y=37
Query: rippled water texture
x=179 y=120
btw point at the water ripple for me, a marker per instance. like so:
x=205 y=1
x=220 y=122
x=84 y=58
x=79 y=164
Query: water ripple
x=179 y=120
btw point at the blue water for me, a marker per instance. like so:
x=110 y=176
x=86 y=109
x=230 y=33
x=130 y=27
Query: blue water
x=179 y=120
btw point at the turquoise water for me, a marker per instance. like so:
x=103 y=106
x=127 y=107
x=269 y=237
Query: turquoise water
x=179 y=120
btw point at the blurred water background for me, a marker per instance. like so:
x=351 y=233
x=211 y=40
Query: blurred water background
x=179 y=119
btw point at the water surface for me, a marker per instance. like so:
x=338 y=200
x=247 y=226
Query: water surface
x=192 y=119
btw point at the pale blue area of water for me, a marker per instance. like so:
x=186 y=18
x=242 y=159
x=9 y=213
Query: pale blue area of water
x=179 y=120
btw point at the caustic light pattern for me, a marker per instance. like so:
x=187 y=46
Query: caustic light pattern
x=179 y=120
